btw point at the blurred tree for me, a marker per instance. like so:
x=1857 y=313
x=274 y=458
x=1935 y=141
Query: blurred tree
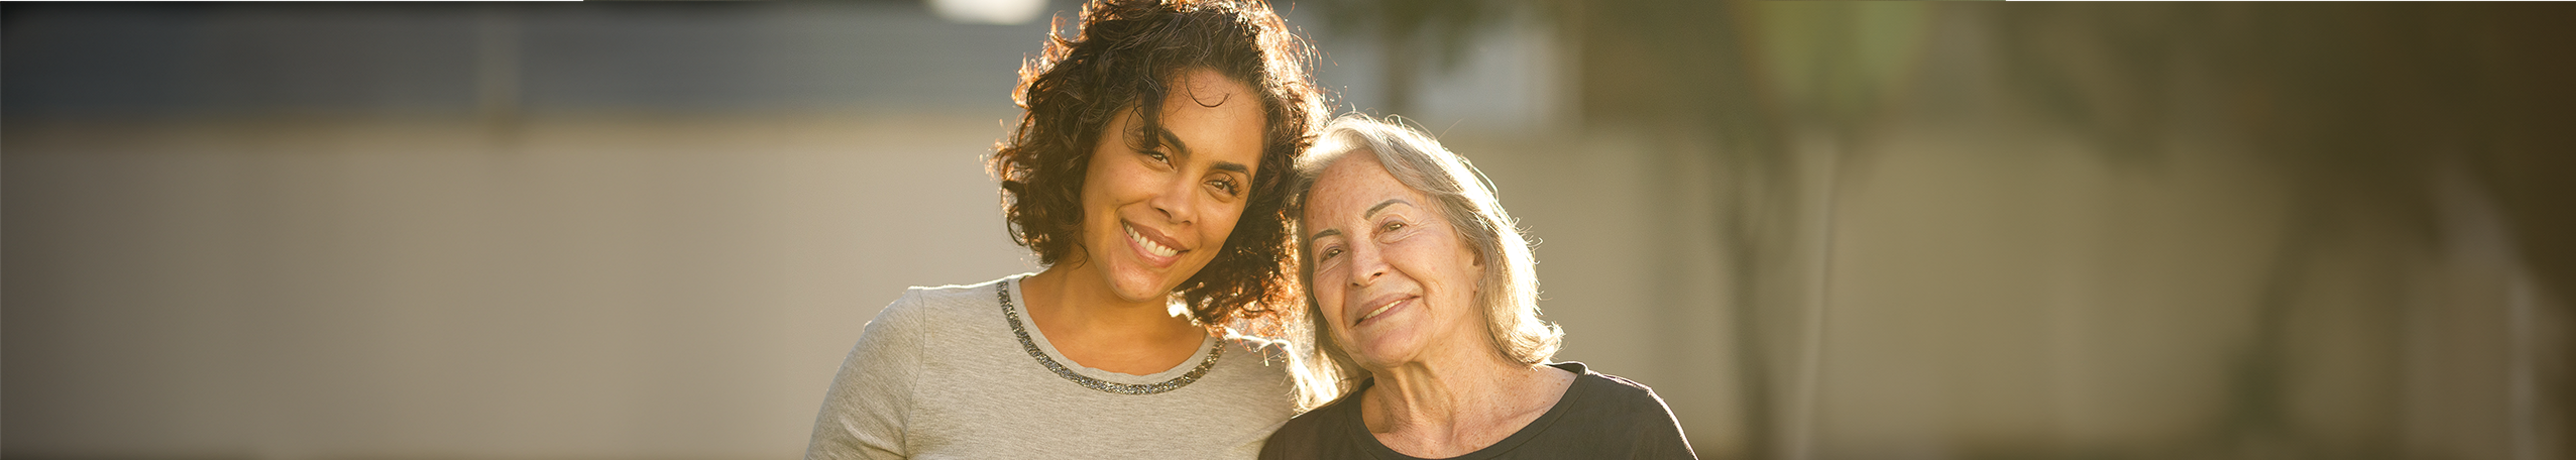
x=2357 y=109
x=1746 y=84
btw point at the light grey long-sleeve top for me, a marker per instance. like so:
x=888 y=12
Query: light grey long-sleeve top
x=940 y=374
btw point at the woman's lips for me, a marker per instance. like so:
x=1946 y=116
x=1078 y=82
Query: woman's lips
x=1154 y=252
x=1383 y=306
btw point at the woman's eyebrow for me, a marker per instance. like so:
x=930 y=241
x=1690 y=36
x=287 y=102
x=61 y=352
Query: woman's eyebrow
x=1172 y=140
x=1372 y=211
x=1183 y=149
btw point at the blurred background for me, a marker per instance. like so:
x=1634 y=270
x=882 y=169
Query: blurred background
x=1819 y=230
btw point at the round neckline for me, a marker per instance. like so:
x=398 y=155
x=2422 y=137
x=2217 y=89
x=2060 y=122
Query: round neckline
x=1020 y=305
x=1359 y=428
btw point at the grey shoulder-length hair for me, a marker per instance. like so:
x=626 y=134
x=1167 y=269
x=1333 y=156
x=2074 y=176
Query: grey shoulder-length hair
x=1508 y=290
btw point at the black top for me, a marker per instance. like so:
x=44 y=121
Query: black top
x=1600 y=416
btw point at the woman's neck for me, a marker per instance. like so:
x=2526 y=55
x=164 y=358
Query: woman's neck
x=1460 y=405
x=1091 y=325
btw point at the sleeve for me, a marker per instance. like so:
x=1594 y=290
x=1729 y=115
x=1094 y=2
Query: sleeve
x=1659 y=434
x=863 y=415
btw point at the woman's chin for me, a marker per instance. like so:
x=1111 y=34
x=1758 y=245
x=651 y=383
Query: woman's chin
x=1142 y=287
x=1386 y=352
x=1136 y=280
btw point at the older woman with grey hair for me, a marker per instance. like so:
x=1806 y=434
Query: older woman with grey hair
x=1424 y=320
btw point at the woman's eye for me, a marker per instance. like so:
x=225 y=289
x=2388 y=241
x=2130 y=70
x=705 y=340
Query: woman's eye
x=1227 y=186
x=1391 y=227
x=1157 y=156
x=1329 y=253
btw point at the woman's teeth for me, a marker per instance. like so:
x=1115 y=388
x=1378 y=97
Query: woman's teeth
x=1157 y=249
x=1380 y=309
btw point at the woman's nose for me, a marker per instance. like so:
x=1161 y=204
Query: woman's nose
x=1367 y=265
x=1176 y=200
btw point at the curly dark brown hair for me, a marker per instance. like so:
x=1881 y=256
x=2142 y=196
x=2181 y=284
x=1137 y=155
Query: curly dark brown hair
x=1125 y=55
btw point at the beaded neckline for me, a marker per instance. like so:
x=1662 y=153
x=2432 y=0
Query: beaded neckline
x=1097 y=384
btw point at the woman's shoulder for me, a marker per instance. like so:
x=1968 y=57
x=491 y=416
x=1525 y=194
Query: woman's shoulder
x=1602 y=409
x=920 y=303
x=1605 y=391
x=1256 y=373
x=923 y=312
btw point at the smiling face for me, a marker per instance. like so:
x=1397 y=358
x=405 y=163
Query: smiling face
x=1152 y=217
x=1395 y=282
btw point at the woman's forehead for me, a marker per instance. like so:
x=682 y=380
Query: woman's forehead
x=1355 y=185
x=1211 y=114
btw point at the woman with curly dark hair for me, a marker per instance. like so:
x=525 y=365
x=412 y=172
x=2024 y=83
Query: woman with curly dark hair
x=1148 y=175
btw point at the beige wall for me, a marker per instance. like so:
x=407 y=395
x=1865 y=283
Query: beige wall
x=637 y=288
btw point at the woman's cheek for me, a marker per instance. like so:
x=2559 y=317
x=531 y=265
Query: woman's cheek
x=1329 y=301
